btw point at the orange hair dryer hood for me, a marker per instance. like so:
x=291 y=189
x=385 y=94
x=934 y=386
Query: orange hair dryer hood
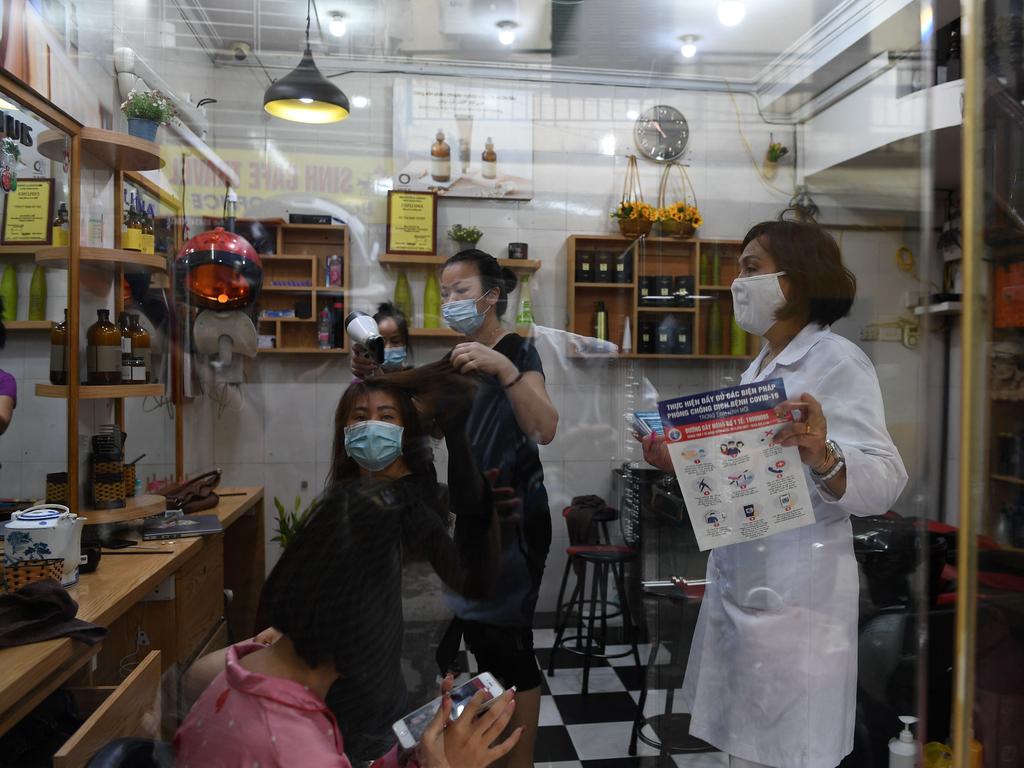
x=219 y=270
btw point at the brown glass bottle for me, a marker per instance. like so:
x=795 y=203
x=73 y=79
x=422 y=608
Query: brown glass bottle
x=103 y=350
x=440 y=159
x=59 y=352
x=141 y=346
x=489 y=158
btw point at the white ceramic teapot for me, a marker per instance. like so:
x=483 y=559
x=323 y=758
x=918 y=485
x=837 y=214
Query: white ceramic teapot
x=45 y=532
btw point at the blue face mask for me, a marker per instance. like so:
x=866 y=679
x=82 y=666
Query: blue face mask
x=462 y=316
x=374 y=444
x=394 y=358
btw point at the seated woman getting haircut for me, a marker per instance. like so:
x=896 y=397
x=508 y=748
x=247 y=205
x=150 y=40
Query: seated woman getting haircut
x=266 y=707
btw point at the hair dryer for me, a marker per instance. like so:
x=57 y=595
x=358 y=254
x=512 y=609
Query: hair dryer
x=363 y=330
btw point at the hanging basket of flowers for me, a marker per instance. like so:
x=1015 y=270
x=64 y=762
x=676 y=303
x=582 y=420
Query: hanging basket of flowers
x=681 y=218
x=635 y=217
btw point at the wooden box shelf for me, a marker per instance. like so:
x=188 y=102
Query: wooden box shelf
x=405 y=260
x=94 y=392
x=28 y=325
x=131 y=261
x=134 y=508
x=105 y=149
x=655 y=256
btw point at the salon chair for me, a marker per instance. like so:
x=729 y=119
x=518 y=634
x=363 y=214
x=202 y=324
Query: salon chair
x=134 y=753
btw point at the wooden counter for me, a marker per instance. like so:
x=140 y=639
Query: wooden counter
x=176 y=625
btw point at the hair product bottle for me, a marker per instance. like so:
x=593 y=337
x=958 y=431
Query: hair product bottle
x=37 y=295
x=600 y=321
x=59 y=352
x=490 y=160
x=440 y=159
x=103 y=350
x=403 y=296
x=141 y=348
x=431 y=301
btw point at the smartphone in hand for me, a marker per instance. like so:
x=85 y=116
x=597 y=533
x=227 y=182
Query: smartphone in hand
x=409 y=729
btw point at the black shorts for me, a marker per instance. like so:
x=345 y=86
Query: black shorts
x=505 y=652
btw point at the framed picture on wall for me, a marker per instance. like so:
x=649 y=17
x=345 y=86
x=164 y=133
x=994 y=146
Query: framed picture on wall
x=412 y=223
x=463 y=140
x=28 y=213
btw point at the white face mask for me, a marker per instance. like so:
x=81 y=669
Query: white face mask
x=755 y=300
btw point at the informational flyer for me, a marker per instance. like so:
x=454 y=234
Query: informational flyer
x=738 y=486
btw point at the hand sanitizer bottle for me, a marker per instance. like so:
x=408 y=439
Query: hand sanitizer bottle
x=903 y=750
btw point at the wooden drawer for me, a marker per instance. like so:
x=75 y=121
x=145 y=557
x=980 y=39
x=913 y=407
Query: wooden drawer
x=199 y=597
x=129 y=709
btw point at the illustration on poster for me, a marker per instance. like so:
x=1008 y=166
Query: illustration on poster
x=714 y=517
x=704 y=488
x=732 y=448
x=778 y=468
x=750 y=511
x=742 y=480
x=696 y=455
x=786 y=502
x=766 y=436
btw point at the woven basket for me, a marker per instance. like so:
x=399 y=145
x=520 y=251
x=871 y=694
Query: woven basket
x=670 y=228
x=108 y=491
x=18 y=575
x=635 y=227
x=57 y=489
x=680 y=229
x=129 y=480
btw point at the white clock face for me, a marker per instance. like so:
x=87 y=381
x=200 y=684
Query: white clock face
x=661 y=133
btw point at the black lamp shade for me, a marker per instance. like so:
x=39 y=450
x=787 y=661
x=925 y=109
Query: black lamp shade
x=304 y=95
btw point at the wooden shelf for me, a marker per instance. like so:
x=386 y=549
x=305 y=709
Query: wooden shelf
x=714 y=287
x=286 y=289
x=22 y=250
x=135 y=507
x=662 y=310
x=107 y=149
x=399 y=259
x=434 y=333
x=132 y=261
x=92 y=392
x=623 y=286
x=1008 y=479
x=284 y=257
x=289 y=320
x=29 y=325
x=308 y=227
x=303 y=351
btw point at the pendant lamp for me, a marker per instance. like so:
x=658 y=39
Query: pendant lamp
x=304 y=95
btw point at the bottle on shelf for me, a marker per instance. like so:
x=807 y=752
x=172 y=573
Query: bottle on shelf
x=627 y=337
x=440 y=159
x=737 y=338
x=147 y=240
x=584 y=267
x=103 y=351
x=59 y=352
x=131 y=230
x=37 y=295
x=665 y=337
x=338 y=325
x=602 y=267
x=403 y=296
x=141 y=349
x=600 y=321
x=61 y=226
x=714 y=341
x=9 y=294
x=524 y=316
x=333 y=271
x=716 y=265
x=490 y=160
x=623 y=267
x=684 y=341
x=432 y=301
x=124 y=325
x=645 y=342
x=903 y=750
x=324 y=329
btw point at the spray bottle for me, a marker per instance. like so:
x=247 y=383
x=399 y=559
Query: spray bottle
x=903 y=752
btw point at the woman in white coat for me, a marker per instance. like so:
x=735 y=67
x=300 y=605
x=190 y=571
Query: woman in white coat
x=772 y=673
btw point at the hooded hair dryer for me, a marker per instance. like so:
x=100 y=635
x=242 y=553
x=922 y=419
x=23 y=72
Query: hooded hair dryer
x=363 y=330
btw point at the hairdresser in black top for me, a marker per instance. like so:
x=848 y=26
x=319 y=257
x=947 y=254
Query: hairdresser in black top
x=511 y=414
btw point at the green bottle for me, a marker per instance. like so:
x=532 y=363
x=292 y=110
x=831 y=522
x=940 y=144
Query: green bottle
x=9 y=294
x=716 y=265
x=737 y=340
x=37 y=295
x=432 y=301
x=403 y=296
x=525 y=314
x=715 y=330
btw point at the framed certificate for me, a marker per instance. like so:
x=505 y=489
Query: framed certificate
x=412 y=223
x=28 y=212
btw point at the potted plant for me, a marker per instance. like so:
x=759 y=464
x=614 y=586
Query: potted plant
x=775 y=152
x=465 y=237
x=146 y=111
x=681 y=219
x=289 y=522
x=10 y=157
x=635 y=218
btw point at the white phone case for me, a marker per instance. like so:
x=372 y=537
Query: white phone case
x=410 y=728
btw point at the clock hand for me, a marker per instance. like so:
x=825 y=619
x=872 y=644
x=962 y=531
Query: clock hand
x=657 y=127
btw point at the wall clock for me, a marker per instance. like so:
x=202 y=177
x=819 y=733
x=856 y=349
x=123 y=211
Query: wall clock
x=661 y=134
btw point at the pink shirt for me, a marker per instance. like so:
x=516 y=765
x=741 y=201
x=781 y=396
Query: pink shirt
x=248 y=719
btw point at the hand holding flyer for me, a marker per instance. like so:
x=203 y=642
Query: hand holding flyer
x=738 y=484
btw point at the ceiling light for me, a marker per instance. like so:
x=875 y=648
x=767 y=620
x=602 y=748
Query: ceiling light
x=632 y=114
x=731 y=12
x=360 y=102
x=608 y=144
x=337 y=27
x=304 y=95
x=5 y=104
x=689 y=47
x=507 y=32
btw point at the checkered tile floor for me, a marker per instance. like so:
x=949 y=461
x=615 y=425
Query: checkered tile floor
x=593 y=731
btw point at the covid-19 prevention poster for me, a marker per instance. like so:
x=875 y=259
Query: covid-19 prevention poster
x=738 y=486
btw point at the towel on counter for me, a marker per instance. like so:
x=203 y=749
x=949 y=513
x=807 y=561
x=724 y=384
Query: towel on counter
x=43 y=610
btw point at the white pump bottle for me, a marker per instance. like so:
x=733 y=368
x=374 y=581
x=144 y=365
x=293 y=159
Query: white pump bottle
x=903 y=751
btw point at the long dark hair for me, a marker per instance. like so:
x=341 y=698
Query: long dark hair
x=389 y=310
x=492 y=274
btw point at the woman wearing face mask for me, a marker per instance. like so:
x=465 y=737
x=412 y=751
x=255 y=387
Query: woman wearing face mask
x=772 y=674
x=394 y=329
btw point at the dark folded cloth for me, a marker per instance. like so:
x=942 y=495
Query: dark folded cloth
x=43 y=610
x=580 y=520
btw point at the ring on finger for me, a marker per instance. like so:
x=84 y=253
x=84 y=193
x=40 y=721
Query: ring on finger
x=808 y=430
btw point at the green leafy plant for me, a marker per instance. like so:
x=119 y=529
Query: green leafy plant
x=289 y=522
x=776 y=151
x=148 y=105
x=463 y=234
x=9 y=146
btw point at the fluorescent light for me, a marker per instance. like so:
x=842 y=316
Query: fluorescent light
x=608 y=144
x=731 y=12
x=337 y=26
x=5 y=104
x=506 y=32
x=632 y=114
x=689 y=47
x=360 y=102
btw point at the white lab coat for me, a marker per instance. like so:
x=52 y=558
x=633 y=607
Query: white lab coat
x=772 y=673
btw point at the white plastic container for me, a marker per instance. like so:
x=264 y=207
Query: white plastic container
x=903 y=750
